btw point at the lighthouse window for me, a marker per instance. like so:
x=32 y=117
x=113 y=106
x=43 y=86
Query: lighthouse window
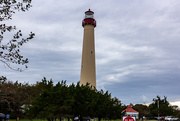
x=81 y=66
x=91 y=52
x=88 y=16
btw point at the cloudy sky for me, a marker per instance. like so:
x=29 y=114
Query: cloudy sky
x=137 y=46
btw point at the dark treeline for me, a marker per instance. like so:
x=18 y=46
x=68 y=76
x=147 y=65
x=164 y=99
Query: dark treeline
x=45 y=100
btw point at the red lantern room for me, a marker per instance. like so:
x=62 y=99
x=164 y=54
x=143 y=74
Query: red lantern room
x=89 y=19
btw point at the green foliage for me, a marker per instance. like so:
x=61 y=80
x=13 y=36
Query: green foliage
x=116 y=110
x=53 y=101
x=10 y=49
x=82 y=101
x=103 y=103
x=142 y=109
x=161 y=107
x=44 y=100
x=72 y=101
x=13 y=96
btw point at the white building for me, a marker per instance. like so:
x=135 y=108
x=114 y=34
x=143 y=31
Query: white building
x=129 y=111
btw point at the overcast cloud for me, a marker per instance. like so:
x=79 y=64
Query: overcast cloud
x=137 y=46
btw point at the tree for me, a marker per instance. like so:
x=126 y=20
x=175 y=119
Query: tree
x=53 y=102
x=61 y=101
x=72 y=101
x=176 y=111
x=83 y=100
x=161 y=107
x=10 y=49
x=142 y=109
x=116 y=109
x=42 y=101
x=13 y=96
x=103 y=104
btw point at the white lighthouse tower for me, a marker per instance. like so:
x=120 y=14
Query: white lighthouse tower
x=88 y=65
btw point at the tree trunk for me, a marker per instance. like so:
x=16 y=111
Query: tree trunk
x=81 y=119
x=99 y=118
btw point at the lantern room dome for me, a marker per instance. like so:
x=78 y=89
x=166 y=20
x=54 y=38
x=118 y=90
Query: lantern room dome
x=89 y=11
x=89 y=18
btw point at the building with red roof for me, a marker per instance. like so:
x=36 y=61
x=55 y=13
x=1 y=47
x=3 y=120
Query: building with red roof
x=129 y=111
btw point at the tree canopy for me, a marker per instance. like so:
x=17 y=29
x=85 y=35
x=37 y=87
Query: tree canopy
x=142 y=109
x=161 y=107
x=74 y=101
x=46 y=100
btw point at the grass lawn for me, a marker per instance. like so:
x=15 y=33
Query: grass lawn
x=28 y=120
x=66 y=120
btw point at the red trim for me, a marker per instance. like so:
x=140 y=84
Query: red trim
x=89 y=11
x=129 y=109
x=89 y=21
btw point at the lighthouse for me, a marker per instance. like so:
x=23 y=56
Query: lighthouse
x=88 y=65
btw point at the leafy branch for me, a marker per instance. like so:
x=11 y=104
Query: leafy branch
x=10 y=50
